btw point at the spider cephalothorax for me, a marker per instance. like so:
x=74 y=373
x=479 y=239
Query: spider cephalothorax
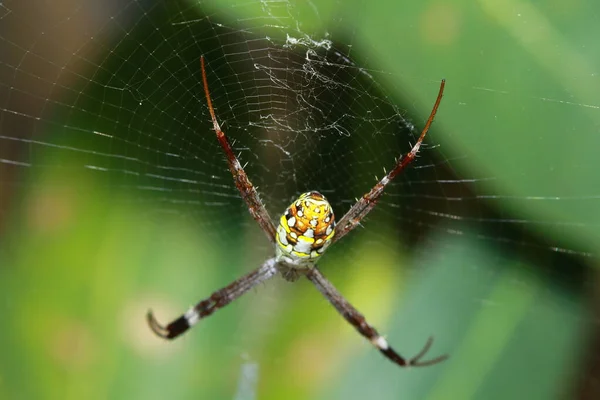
x=305 y=230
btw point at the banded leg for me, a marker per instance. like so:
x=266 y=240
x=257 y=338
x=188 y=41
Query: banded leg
x=217 y=300
x=357 y=320
x=366 y=203
x=242 y=182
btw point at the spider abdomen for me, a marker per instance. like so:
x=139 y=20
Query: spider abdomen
x=305 y=229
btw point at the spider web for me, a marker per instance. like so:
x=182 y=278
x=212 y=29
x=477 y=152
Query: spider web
x=104 y=104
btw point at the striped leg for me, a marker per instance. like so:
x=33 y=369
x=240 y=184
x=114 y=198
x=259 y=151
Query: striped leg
x=242 y=182
x=217 y=300
x=357 y=320
x=366 y=203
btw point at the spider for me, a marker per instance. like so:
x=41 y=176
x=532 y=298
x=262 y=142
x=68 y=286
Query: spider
x=304 y=231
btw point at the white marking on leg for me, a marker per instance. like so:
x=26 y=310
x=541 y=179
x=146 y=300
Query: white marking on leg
x=380 y=343
x=385 y=180
x=415 y=149
x=237 y=165
x=191 y=316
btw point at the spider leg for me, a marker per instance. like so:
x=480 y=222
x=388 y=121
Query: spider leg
x=245 y=187
x=217 y=300
x=366 y=203
x=357 y=320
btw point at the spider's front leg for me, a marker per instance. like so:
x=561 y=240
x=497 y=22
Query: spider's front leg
x=217 y=300
x=367 y=202
x=242 y=182
x=359 y=322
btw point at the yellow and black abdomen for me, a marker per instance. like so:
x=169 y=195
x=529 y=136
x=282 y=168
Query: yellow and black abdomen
x=305 y=229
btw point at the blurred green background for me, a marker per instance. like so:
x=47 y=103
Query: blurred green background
x=500 y=268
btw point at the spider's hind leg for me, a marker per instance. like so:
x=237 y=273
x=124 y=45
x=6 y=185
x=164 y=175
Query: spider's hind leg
x=217 y=300
x=359 y=322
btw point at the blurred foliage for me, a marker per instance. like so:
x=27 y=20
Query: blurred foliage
x=81 y=264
